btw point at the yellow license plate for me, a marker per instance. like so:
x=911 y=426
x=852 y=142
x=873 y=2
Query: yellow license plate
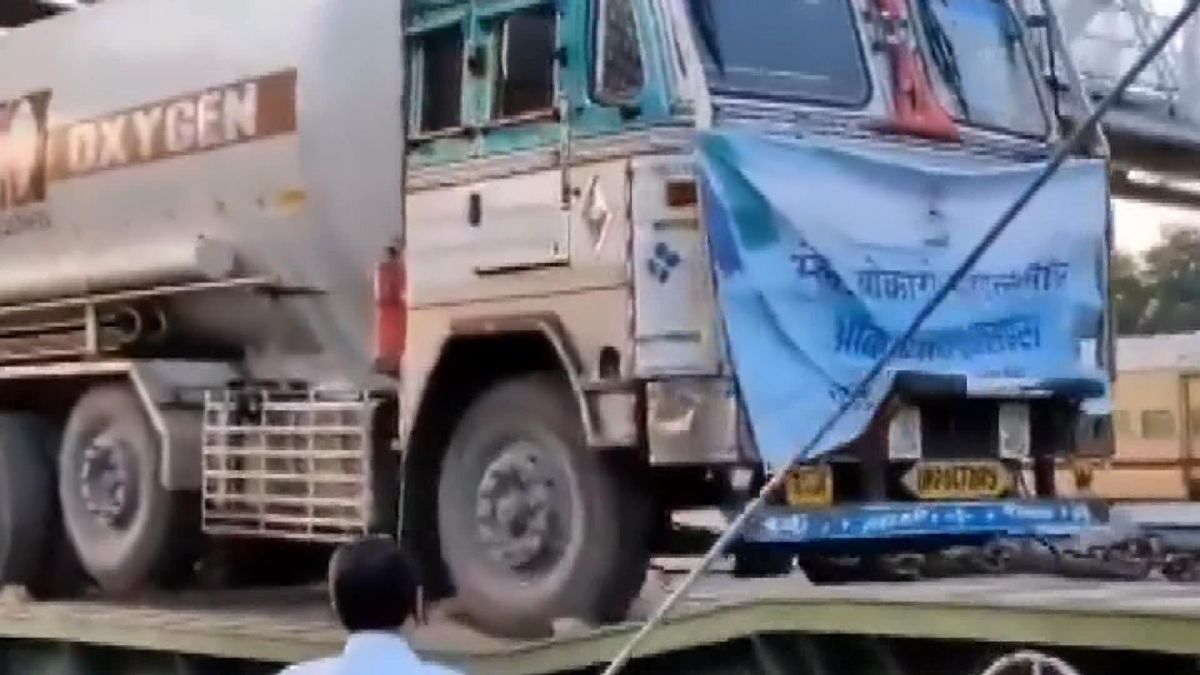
x=958 y=480
x=809 y=486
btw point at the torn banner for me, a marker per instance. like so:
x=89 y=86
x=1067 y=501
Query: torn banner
x=825 y=254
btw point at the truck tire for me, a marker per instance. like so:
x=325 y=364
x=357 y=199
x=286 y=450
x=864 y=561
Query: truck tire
x=127 y=529
x=27 y=509
x=535 y=526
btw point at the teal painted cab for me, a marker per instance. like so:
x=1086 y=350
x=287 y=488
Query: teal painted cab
x=473 y=95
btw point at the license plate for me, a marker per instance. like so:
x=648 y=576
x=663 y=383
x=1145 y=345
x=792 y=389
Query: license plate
x=958 y=480
x=809 y=486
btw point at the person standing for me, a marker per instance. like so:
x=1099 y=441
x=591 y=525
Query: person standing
x=374 y=592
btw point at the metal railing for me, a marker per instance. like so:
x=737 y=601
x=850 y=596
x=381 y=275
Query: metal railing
x=1106 y=36
x=287 y=464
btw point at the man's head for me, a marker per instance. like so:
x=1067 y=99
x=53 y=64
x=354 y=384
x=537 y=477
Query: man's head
x=373 y=586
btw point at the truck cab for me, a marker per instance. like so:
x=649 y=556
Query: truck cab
x=565 y=165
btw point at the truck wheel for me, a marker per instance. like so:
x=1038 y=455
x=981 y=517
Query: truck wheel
x=534 y=525
x=26 y=499
x=125 y=526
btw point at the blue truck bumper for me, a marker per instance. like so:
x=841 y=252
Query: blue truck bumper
x=916 y=526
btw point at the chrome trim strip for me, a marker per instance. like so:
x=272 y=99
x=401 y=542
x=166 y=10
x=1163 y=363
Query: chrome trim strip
x=663 y=140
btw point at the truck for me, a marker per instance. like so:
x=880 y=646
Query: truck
x=513 y=281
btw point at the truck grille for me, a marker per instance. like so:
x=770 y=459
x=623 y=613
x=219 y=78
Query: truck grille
x=959 y=429
x=287 y=464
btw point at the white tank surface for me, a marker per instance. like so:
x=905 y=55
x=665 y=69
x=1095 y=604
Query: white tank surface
x=162 y=143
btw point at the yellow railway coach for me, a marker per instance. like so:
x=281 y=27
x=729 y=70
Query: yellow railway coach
x=1156 y=418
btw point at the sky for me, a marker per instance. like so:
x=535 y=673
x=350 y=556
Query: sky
x=1137 y=225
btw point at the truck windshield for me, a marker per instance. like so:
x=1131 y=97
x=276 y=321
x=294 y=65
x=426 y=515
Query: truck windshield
x=792 y=49
x=979 y=66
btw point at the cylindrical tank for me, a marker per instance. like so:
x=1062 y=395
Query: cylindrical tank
x=168 y=142
x=108 y=269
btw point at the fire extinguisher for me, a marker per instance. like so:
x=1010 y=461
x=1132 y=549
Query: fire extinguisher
x=391 y=312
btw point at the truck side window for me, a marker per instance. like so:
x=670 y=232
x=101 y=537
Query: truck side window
x=441 y=71
x=526 y=43
x=618 y=77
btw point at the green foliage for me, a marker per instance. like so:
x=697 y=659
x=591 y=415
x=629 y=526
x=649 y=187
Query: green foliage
x=1160 y=292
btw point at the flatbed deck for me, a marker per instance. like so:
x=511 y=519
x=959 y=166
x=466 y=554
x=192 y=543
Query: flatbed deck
x=284 y=625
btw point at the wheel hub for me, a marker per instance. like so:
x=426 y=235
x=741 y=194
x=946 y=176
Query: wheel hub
x=107 y=480
x=518 y=513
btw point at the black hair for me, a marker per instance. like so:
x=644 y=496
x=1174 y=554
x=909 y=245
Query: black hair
x=373 y=585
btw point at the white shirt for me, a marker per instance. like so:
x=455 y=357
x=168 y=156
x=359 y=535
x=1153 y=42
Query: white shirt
x=371 y=653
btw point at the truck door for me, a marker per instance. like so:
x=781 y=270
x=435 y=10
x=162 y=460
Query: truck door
x=520 y=220
x=486 y=189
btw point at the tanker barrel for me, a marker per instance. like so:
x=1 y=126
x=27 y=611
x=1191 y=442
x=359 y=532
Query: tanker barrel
x=141 y=265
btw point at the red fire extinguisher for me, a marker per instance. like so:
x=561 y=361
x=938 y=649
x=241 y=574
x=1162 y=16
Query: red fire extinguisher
x=391 y=312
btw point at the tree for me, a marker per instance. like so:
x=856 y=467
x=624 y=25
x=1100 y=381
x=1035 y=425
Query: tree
x=1162 y=295
x=1173 y=274
x=1130 y=294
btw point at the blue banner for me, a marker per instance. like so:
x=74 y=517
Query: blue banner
x=825 y=254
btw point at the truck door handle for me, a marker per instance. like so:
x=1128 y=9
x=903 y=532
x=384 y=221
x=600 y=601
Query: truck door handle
x=474 y=209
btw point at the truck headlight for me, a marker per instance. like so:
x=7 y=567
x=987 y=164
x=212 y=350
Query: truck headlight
x=904 y=434
x=1013 y=424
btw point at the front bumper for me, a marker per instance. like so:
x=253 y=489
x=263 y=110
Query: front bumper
x=899 y=527
x=951 y=416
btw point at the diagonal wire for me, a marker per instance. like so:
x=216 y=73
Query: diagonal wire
x=1056 y=161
